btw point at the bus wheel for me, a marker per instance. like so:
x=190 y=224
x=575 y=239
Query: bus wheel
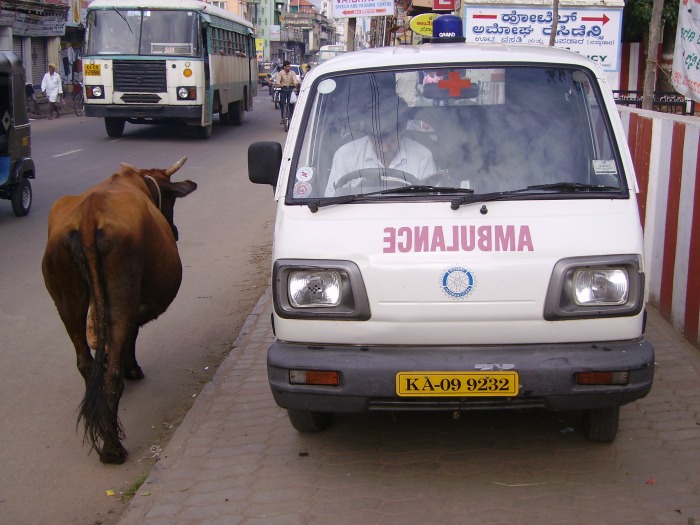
x=114 y=126
x=204 y=132
x=225 y=118
x=236 y=112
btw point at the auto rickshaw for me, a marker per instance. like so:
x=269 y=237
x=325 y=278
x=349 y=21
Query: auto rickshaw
x=265 y=70
x=16 y=164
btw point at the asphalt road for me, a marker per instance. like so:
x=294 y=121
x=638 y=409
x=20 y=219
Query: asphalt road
x=48 y=475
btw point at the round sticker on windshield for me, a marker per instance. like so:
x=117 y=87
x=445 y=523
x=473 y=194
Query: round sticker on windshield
x=305 y=174
x=327 y=86
x=301 y=190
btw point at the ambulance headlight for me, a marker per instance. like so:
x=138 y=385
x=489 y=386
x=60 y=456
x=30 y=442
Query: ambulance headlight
x=588 y=287
x=601 y=286
x=319 y=290
x=309 y=288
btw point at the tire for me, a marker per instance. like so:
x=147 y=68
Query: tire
x=236 y=112
x=114 y=127
x=225 y=118
x=600 y=424
x=204 y=132
x=308 y=421
x=22 y=198
x=78 y=105
x=277 y=104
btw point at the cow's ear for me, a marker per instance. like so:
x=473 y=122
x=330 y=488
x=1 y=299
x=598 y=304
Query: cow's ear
x=183 y=188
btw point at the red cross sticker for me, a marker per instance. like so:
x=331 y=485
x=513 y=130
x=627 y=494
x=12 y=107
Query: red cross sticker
x=455 y=84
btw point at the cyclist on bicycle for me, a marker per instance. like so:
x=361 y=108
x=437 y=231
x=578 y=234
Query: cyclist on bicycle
x=287 y=80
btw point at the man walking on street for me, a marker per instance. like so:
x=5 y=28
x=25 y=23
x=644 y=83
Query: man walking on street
x=53 y=87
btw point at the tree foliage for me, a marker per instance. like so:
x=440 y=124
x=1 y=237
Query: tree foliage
x=637 y=14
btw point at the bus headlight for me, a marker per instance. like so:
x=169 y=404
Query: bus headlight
x=94 y=92
x=186 y=93
x=588 y=287
x=319 y=290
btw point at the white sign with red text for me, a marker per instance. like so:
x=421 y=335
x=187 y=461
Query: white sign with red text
x=360 y=8
x=593 y=32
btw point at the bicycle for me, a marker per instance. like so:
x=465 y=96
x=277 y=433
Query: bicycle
x=77 y=95
x=78 y=100
x=288 y=109
x=276 y=97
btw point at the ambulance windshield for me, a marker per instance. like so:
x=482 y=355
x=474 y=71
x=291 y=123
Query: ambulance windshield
x=468 y=129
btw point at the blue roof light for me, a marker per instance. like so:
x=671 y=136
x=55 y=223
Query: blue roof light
x=447 y=28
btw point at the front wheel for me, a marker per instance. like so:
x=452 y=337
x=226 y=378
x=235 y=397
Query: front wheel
x=204 y=132
x=22 y=198
x=114 y=126
x=601 y=424
x=287 y=118
x=308 y=421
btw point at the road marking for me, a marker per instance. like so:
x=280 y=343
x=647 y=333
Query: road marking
x=67 y=153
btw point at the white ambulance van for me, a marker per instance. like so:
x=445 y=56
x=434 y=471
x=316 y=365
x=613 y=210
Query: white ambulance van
x=457 y=229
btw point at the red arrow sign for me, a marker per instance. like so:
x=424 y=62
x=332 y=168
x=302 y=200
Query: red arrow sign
x=603 y=19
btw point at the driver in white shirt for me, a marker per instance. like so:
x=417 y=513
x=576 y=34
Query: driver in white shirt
x=387 y=147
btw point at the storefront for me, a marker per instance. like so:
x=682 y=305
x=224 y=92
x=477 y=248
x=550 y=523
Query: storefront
x=36 y=30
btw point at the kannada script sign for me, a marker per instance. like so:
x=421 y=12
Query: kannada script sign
x=593 y=32
x=685 y=75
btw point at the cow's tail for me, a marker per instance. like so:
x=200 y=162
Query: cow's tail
x=101 y=421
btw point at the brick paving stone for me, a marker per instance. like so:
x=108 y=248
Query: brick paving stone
x=236 y=460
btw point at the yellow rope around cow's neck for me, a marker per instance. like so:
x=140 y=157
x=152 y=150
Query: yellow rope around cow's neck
x=157 y=188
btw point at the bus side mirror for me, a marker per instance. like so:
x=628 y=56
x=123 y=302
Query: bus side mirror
x=264 y=161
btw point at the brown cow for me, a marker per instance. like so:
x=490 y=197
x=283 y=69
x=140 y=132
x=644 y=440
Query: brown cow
x=111 y=265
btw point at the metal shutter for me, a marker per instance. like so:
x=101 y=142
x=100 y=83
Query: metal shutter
x=17 y=46
x=39 y=65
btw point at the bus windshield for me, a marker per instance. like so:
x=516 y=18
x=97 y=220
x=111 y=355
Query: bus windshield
x=142 y=32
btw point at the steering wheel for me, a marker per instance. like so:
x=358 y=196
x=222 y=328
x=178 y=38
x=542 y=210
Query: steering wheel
x=377 y=178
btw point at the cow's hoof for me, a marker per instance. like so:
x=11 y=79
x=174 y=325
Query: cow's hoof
x=134 y=373
x=115 y=457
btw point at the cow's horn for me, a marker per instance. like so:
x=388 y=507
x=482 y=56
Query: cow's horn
x=172 y=169
x=125 y=165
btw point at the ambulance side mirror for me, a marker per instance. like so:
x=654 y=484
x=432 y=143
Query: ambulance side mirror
x=264 y=161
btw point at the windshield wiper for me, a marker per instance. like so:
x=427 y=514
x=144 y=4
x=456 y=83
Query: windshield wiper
x=529 y=191
x=573 y=186
x=418 y=188
x=415 y=188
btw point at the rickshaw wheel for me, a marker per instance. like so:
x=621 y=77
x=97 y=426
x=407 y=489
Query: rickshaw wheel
x=22 y=198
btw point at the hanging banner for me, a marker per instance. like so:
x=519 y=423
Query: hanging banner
x=685 y=75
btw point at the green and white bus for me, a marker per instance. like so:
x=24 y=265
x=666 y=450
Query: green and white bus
x=167 y=62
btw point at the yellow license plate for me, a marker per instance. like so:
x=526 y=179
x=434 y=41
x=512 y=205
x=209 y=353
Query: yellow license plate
x=457 y=384
x=92 y=70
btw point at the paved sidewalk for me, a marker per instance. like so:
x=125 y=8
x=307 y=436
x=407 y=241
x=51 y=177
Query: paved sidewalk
x=235 y=459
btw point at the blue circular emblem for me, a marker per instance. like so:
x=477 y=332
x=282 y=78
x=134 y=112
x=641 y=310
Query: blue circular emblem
x=458 y=282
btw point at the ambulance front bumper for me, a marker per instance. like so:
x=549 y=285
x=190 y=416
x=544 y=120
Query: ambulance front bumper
x=546 y=375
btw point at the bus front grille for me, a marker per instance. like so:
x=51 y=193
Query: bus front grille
x=138 y=76
x=140 y=98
